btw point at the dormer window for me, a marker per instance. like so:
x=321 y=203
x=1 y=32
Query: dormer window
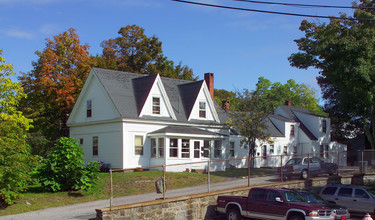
x=324 y=126
x=202 y=109
x=291 y=130
x=89 y=108
x=156 y=105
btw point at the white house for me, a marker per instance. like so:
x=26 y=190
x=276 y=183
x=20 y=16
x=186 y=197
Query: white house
x=135 y=120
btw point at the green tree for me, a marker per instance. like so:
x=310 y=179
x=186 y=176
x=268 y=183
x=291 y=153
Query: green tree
x=15 y=159
x=249 y=120
x=344 y=52
x=275 y=94
x=64 y=168
x=224 y=95
x=53 y=87
x=134 y=52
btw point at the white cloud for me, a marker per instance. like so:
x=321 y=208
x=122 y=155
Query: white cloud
x=49 y=29
x=17 y=33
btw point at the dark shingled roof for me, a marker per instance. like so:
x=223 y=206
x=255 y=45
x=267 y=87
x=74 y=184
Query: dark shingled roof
x=281 y=118
x=128 y=92
x=290 y=111
x=272 y=130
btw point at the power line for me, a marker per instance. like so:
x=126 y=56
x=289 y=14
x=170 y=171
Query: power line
x=303 y=5
x=271 y=12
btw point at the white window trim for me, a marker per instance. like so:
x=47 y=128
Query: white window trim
x=143 y=144
x=205 y=109
x=152 y=105
x=87 y=108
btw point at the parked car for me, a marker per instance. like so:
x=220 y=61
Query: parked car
x=300 y=167
x=342 y=213
x=355 y=198
x=272 y=203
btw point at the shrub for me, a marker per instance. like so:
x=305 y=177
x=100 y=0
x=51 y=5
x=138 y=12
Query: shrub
x=64 y=169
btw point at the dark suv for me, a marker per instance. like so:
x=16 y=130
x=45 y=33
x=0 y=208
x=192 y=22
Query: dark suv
x=355 y=198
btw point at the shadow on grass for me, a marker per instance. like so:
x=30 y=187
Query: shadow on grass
x=75 y=194
x=39 y=189
x=243 y=172
x=35 y=189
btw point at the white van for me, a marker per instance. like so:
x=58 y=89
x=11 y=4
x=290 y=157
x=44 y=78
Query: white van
x=355 y=198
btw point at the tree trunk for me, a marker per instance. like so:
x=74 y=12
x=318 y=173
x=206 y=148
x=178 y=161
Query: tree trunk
x=252 y=152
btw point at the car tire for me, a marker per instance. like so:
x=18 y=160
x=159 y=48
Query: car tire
x=304 y=174
x=296 y=217
x=233 y=214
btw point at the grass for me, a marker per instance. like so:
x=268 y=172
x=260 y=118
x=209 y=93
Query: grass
x=242 y=172
x=124 y=184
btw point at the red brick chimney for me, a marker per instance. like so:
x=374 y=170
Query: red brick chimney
x=288 y=103
x=226 y=105
x=209 y=79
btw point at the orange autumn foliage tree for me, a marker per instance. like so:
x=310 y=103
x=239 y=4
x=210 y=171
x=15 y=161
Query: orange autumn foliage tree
x=53 y=87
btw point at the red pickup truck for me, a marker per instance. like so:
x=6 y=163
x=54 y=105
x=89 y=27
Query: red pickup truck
x=272 y=203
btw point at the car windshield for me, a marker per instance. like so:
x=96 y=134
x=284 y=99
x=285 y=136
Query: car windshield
x=292 y=197
x=311 y=197
x=294 y=161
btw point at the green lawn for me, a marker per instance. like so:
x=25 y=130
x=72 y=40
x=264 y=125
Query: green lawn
x=124 y=184
x=242 y=172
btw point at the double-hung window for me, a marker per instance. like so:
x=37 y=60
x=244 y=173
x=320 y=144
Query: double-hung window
x=324 y=126
x=173 y=148
x=161 y=147
x=197 y=149
x=231 y=149
x=138 y=145
x=156 y=105
x=272 y=149
x=95 y=146
x=292 y=130
x=217 y=149
x=153 y=147
x=206 y=149
x=89 y=109
x=202 y=109
x=185 y=148
x=285 y=151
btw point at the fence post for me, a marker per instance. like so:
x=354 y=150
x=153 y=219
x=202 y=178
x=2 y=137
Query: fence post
x=248 y=171
x=208 y=175
x=338 y=162
x=111 y=198
x=362 y=170
x=164 y=180
x=281 y=167
x=308 y=166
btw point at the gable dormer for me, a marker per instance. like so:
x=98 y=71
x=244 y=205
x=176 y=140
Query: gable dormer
x=197 y=102
x=152 y=97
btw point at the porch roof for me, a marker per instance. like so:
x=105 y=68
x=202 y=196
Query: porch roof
x=185 y=131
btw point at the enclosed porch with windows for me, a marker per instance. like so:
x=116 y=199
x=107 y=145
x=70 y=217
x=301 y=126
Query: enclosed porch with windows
x=180 y=145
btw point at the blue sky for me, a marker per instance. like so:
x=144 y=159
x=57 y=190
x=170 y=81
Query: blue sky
x=238 y=47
